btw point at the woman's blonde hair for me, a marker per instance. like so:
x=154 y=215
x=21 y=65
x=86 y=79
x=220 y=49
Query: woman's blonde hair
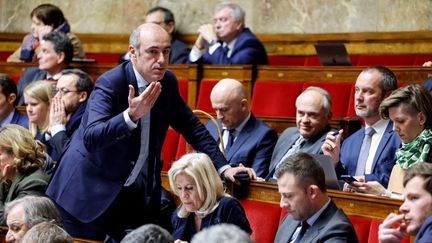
x=42 y=91
x=209 y=185
x=28 y=153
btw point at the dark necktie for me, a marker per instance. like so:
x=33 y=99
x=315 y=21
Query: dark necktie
x=294 y=149
x=145 y=132
x=230 y=140
x=226 y=50
x=364 y=151
x=302 y=232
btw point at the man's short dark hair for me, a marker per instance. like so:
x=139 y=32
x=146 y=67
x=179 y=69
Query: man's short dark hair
x=169 y=16
x=61 y=43
x=84 y=82
x=306 y=170
x=422 y=170
x=388 y=81
x=7 y=85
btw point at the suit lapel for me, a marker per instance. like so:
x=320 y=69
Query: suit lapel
x=320 y=223
x=288 y=229
x=285 y=146
x=242 y=137
x=384 y=140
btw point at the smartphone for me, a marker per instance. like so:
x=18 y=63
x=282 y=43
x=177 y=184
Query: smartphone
x=348 y=179
x=242 y=176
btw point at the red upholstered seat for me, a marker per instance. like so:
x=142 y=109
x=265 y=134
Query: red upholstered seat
x=263 y=218
x=287 y=60
x=275 y=98
x=340 y=94
x=169 y=149
x=4 y=55
x=312 y=61
x=181 y=147
x=351 y=109
x=203 y=102
x=361 y=227
x=104 y=57
x=386 y=60
x=373 y=232
x=183 y=88
x=422 y=58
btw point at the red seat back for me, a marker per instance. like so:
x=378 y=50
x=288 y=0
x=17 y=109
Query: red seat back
x=422 y=58
x=351 y=109
x=263 y=219
x=287 y=60
x=169 y=149
x=104 y=57
x=203 y=102
x=386 y=60
x=275 y=98
x=373 y=232
x=312 y=61
x=183 y=88
x=340 y=93
x=361 y=227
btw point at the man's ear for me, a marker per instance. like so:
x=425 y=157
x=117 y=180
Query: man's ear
x=171 y=27
x=313 y=191
x=244 y=103
x=83 y=96
x=61 y=56
x=133 y=52
x=11 y=98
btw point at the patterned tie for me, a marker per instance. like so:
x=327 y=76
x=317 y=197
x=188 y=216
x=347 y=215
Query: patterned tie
x=304 y=228
x=230 y=140
x=145 y=132
x=364 y=151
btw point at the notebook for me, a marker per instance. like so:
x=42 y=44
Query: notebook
x=329 y=171
x=332 y=54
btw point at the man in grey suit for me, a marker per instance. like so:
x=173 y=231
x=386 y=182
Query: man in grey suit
x=314 y=111
x=312 y=215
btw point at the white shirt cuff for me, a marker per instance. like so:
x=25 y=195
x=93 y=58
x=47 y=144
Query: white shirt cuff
x=131 y=125
x=213 y=48
x=57 y=128
x=195 y=54
x=223 y=168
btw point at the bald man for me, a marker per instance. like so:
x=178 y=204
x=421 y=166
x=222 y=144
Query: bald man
x=314 y=111
x=247 y=140
x=108 y=180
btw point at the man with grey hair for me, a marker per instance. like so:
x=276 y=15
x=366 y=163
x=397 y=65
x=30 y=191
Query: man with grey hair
x=370 y=153
x=24 y=213
x=227 y=233
x=117 y=147
x=228 y=41
x=149 y=233
x=314 y=112
x=47 y=232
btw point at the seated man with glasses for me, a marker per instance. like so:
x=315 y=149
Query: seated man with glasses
x=67 y=107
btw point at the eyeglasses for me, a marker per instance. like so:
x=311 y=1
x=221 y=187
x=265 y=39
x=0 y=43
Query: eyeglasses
x=63 y=91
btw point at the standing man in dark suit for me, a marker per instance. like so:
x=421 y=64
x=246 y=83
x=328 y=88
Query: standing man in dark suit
x=165 y=18
x=372 y=160
x=252 y=141
x=228 y=41
x=67 y=108
x=312 y=215
x=8 y=113
x=108 y=180
x=314 y=111
x=416 y=211
x=56 y=54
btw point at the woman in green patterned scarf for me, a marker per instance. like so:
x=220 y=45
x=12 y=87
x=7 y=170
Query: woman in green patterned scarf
x=410 y=109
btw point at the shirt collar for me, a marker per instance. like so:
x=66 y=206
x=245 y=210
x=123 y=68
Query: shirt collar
x=239 y=128
x=55 y=76
x=140 y=80
x=8 y=119
x=312 y=219
x=379 y=126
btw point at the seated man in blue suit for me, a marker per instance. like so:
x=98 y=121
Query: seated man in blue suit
x=312 y=215
x=416 y=211
x=314 y=111
x=108 y=179
x=228 y=41
x=56 y=54
x=248 y=141
x=8 y=94
x=370 y=153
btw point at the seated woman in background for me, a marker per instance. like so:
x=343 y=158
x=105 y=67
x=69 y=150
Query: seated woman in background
x=21 y=161
x=410 y=109
x=45 y=18
x=196 y=182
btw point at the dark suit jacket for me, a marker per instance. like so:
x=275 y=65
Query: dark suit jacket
x=424 y=235
x=30 y=74
x=286 y=141
x=20 y=119
x=228 y=211
x=384 y=159
x=247 y=50
x=103 y=150
x=253 y=147
x=59 y=141
x=331 y=226
x=179 y=52
x=33 y=183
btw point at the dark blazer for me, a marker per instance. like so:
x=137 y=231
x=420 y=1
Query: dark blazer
x=179 y=52
x=384 y=159
x=33 y=183
x=331 y=226
x=247 y=50
x=59 y=141
x=30 y=74
x=103 y=150
x=228 y=211
x=253 y=147
x=20 y=119
x=286 y=141
x=424 y=235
